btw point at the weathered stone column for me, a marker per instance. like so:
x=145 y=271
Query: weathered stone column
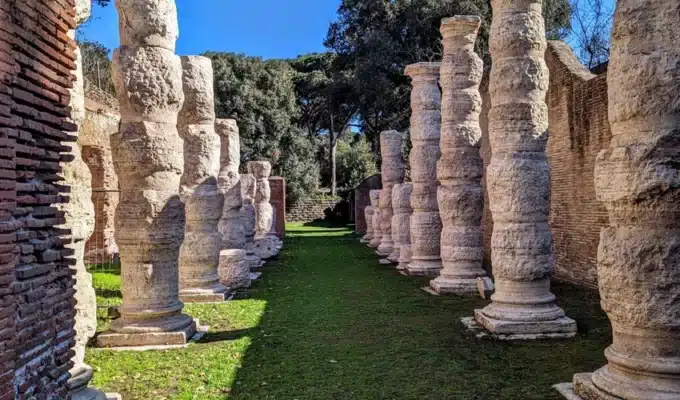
x=368 y=212
x=231 y=223
x=248 y=191
x=426 y=225
x=401 y=225
x=148 y=156
x=460 y=168
x=638 y=180
x=266 y=246
x=393 y=170
x=234 y=269
x=199 y=254
x=79 y=216
x=377 y=231
x=519 y=178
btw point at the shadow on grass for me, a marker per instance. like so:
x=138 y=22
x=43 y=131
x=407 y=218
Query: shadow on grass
x=339 y=326
x=108 y=293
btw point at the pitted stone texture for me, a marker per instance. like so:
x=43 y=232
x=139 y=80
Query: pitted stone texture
x=638 y=180
x=248 y=190
x=200 y=250
x=401 y=225
x=393 y=170
x=151 y=23
x=234 y=270
x=375 y=205
x=460 y=168
x=266 y=245
x=425 y=224
x=518 y=176
x=368 y=215
x=231 y=224
x=148 y=83
x=148 y=157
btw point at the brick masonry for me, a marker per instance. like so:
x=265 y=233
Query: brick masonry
x=579 y=129
x=278 y=202
x=37 y=306
x=311 y=209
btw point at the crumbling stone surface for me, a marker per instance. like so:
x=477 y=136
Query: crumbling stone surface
x=200 y=250
x=377 y=231
x=638 y=180
x=148 y=157
x=518 y=177
x=460 y=168
x=248 y=214
x=266 y=244
x=231 y=224
x=148 y=23
x=426 y=225
x=393 y=170
x=234 y=270
x=401 y=224
x=368 y=217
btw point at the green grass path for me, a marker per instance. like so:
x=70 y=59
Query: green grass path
x=327 y=322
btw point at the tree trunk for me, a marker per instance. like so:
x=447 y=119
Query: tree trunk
x=332 y=147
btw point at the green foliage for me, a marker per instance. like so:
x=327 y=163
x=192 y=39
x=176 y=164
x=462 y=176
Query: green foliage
x=97 y=65
x=355 y=162
x=378 y=38
x=261 y=96
x=328 y=323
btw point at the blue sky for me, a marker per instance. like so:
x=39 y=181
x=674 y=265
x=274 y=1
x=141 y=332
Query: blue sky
x=266 y=28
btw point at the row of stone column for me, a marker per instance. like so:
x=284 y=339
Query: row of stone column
x=188 y=224
x=637 y=178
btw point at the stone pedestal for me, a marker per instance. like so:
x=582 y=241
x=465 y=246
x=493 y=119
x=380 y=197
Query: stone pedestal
x=638 y=180
x=376 y=221
x=401 y=225
x=266 y=244
x=426 y=226
x=368 y=213
x=393 y=170
x=460 y=168
x=234 y=269
x=148 y=158
x=248 y=191
x=79 y=216
x=518 y=178
x=200 y=251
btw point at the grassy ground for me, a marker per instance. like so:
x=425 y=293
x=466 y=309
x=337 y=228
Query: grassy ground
x=327 y=322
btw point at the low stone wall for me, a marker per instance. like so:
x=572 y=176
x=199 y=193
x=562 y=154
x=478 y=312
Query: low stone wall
x=311 y=209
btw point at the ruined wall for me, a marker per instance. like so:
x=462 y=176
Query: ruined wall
x=278 y=202
x=37 y=312
x=579 y=129
x=101 y=121
x=311 y=209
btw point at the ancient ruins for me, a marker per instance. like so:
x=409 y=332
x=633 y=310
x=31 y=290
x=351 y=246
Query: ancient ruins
x=460 y=168
x=426 y=224
x=393 y=170
x=190 y=226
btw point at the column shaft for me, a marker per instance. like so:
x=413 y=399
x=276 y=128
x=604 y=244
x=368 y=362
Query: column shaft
x=393 y=170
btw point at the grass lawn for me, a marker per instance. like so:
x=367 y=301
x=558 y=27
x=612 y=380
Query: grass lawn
x=327 y=322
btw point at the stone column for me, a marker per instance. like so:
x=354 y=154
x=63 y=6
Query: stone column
x=426 y=226
x=368 y=212
x=79 y=216
x=401 y=225
x=638 y=180
x=231 y=224
x=377 y=231
x=266 y=246
x=234 y=269
x=248 y=191
x=460 y=168
x=519 y=178
x=199 y=254
x=393 y=170
x=148 y=156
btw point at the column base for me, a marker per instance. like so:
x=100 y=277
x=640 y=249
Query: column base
x=266 y=248
x=374 y=243
x=384 y=250
x=424 y=268
x=362 y=240
x=214 y=295
x=402 y=266
x=583 y=389
x=456 y=286
x=175 y=330
x=255 y=276
x=78 y=389
x=386 y=261
x=561 y=328
x=254 y=261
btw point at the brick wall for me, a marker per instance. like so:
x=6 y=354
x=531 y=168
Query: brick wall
x=37 y=314
x=579 y=129
x=278 y=202
x=311 y=209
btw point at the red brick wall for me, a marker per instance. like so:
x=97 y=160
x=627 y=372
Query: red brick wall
x=36 y=64
x=278 y=201
x=579 y=129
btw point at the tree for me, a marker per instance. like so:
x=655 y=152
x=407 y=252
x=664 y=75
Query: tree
x=378 y=38
x=325 y=97
x=97 y=65
x=260 y=95
x=591 y=29
x=355 y=161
